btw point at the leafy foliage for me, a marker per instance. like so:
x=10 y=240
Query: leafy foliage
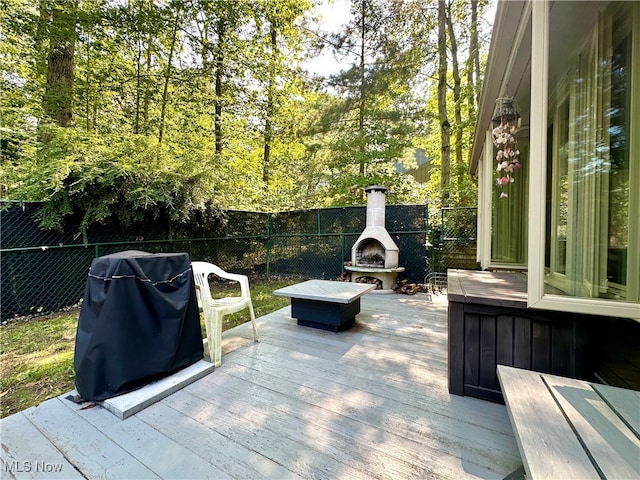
x=128 y=177
x=190 y=105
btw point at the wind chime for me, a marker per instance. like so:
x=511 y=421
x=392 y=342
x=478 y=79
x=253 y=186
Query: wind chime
x=505 y=122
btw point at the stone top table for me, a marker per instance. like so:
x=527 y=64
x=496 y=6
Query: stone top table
x=325 y=304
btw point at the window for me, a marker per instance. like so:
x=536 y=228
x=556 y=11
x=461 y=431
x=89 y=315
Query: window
x=509 y=215
x=592 y=173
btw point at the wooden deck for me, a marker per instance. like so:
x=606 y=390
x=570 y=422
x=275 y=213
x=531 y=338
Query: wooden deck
x=371 y=402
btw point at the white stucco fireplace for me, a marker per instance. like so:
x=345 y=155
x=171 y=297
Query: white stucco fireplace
x=375 y=255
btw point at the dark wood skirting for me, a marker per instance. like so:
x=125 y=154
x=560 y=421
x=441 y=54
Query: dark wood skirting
x=489 y=324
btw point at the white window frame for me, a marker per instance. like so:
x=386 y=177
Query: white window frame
x=486 y=179
x=555 y=277
x=485 y=184
x=537 y=181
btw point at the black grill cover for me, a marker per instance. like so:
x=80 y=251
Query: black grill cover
x=139 y=322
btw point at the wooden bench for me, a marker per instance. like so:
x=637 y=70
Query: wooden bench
x=569 y=428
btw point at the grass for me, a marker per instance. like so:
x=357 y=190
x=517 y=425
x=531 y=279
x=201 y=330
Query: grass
x=36 y=356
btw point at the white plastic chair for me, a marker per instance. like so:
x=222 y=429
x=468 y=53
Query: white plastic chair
x=214 y=310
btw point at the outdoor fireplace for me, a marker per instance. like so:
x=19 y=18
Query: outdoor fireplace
x=374 y=256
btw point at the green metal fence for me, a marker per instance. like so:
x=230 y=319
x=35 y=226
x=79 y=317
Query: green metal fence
x=45 y=271
x=458 y=239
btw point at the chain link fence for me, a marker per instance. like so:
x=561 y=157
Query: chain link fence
x=458 y=239
x=45 y=271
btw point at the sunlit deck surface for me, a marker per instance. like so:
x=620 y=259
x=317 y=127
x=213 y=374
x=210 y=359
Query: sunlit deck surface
x=370 y=402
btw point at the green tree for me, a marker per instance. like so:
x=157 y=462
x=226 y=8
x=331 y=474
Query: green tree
x=279 y=95
x=174 y=107
x=459 y=82
x=443 y=114
x=59 y=18
x=378 y=109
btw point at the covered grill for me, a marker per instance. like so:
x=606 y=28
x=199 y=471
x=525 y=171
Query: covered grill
x=139 y=322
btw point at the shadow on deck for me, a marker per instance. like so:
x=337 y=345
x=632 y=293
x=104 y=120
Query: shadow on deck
x=370 y=402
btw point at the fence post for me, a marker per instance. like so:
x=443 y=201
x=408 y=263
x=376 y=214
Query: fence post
x=427 y=241
x=267 y=260
x=442 y=240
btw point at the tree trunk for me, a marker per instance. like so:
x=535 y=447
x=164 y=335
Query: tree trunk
x=445 y=126
x=268 y=126
x=457 y=98
x=58 y=97
x=136 y=118
x=472 y=72
x=361 y=132
x=217 y=117
x=475 y=51
x=167 y=78
x=147 y=84
x=87 y=92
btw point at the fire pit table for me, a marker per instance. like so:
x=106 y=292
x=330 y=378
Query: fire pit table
x=325 y=304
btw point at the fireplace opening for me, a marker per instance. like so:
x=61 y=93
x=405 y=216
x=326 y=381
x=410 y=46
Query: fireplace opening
x=370 y=253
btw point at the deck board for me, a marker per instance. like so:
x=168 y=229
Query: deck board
x=612 y=447
x=26 y=450
x=371 y=402
x=334 y=433
x=256 y=433
x=91 y=452
x=234 y=459
x=624 y=403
